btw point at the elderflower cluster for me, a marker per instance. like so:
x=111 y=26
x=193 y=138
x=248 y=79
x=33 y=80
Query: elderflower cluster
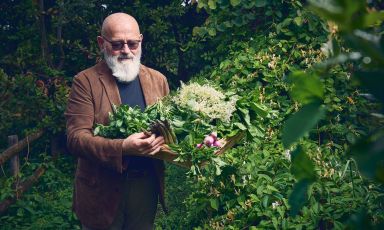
x=206 y=100
x=276 y=204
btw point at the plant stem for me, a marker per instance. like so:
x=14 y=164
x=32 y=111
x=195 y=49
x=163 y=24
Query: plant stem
x=353 y=184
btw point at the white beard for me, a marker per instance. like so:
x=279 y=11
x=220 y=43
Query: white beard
x=125 y=71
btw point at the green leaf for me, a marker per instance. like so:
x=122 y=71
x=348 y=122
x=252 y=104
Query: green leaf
x=301 y=122
x=260 y=3
x=246 y=116
x=235 y=2
x=238 y=21
x=347 y=14
x=271 y=188
x=228 y=24
x=212 y=32
x=306 y=88
x=369 y=155
x=260 y=110
x=265 y=201
x=368 y=44
x=373 y=81
x=199 y=31
x=212 y=4
x=298 y=21
x=96 y=131
x=240 y=126
x=373 y=18
x=214 y=204
x=298 y=197
x=255 y=131
x=302 y=166
x=221 y=28
x=178 y=123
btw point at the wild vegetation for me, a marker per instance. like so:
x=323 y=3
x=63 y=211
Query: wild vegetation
x=310 y=75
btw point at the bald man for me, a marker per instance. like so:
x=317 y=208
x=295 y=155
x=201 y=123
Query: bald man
x=117 y=186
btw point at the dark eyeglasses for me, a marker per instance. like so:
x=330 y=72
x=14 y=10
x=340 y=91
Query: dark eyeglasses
x=119 y=45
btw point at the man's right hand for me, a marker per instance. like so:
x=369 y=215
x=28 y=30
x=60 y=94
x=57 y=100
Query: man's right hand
x=142 y=144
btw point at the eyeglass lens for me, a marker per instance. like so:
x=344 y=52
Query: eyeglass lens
x=118 y=45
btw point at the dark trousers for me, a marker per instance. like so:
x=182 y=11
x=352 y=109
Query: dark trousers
x=138 y=207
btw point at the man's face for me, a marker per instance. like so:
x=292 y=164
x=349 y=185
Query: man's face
x=125 y=45
x=122 y=53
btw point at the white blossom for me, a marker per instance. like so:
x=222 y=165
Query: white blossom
x=287 y=154
x=275 y=204
x=206 y=100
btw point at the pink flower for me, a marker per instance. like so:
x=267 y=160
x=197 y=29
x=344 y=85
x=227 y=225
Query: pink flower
x=209 y=140
x=214 y=135
x=217 y=144
x=199 y=146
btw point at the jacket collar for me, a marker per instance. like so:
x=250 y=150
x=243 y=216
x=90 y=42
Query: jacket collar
x=109 y=83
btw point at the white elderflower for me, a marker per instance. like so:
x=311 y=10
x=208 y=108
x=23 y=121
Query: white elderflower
x=206 y=100
x=287 y=154
x=275 y=204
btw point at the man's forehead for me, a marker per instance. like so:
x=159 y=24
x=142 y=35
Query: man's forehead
x=120 y=23
x=124 y=35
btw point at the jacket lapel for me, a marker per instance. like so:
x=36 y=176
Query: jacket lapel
x=109 y=83
x=145 y=85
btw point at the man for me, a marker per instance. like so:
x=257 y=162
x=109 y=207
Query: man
x=117 y=185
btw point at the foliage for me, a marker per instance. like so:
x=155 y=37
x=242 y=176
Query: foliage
x=28 y=103
x=258 y=68
x=309 y=93
x=366 y=54
x=123 y=121
x=48 y=204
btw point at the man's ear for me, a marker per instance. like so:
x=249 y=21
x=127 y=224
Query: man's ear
x=100 y=42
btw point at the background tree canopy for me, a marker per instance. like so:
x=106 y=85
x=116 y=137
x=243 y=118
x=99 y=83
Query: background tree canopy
x=310 y=74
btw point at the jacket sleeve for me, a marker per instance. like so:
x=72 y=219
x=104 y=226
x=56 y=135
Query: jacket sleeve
x=80 y=120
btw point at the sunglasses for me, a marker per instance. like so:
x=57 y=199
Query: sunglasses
x=119 y=45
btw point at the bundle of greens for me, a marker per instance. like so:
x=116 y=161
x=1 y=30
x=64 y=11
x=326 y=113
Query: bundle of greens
x=194 y=122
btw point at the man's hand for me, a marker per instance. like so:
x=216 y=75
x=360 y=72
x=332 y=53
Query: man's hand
x=141 y=144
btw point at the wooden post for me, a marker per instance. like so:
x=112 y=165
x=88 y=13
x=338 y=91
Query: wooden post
x=15 y=149
x=15 y=161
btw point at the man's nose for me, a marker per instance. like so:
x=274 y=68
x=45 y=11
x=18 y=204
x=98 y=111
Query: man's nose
x=126 y=49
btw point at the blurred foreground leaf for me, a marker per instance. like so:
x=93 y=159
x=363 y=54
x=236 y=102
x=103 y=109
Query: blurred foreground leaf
x=298 y=197
x=302 y=166
x=301 y=122
x=303 y=170
x=306 y=88
x=369 y=154
x=373 y=81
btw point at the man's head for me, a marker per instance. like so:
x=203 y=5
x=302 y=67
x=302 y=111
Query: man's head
x=120 y=43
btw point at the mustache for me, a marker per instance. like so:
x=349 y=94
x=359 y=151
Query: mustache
x=126 y=56
x=121 y=56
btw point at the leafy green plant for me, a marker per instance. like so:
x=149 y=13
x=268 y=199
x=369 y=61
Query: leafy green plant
x=47 y=204
x=308 y=90
x=308 y=99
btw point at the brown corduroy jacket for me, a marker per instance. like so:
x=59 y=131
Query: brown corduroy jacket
x=99 y=178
